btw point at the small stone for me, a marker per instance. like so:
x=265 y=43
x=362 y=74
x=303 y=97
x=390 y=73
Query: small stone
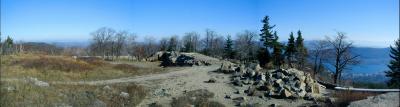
x=124 y=95
x=274 y=105
x=212 y=80
x=237 y=92
x=241 y=99
x=228 y=96
x=286 y=93
x=308 y=96
x=107 y=88
x=250 y=90
x=237 y=82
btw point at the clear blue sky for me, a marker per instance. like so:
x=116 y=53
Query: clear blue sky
x=366 y=22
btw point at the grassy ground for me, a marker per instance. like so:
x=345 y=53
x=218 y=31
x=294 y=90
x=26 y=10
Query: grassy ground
x=20 y=94
x=344 y=98
x=63 y=68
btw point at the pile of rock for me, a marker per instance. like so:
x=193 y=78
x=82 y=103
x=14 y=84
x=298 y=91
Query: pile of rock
x=282 y=83
x=177 y=59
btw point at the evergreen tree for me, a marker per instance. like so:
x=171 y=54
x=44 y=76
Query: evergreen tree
x=188 y=47
x=8 y=45
x=301 y=52
x=290 y=50
x=173 y=43
x=228 y=50
x=277 y=53
x=266 y=38
x=394 y=66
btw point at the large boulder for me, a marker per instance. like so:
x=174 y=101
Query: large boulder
x=227 y=67
x=183 y=60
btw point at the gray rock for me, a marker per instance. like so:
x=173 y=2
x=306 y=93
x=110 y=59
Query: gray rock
x=250 y=90
x=124 y=95
x=308 y=96
x=274 y=105
x=240 y=99
x=106 y=88
x=227 y=67
x=279 y=75
x=237 y=82
x=10 y=89
x=37 y=82
x=212 y=80
x=286 y=93
x=98 y=103
x=384 y=100
x=228 y=96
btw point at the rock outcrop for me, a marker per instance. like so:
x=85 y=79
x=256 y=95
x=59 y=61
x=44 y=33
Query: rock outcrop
x=282 y=83
x=178 y=59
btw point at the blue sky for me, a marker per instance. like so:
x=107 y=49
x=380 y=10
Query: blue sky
x=366 y=22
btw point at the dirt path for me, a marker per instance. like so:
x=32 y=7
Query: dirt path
x=144 y=78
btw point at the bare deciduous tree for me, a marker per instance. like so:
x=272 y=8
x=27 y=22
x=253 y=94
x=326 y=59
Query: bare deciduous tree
x=246 y=45
x=163 y=44
x=190 y=42
x=101 y=40
x=131 y=45
x=120 y=42
x=208 y=41
x=318 y=54
x=341 y=57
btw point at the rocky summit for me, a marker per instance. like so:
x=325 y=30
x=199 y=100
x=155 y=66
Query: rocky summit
x=281 y=83
x=177 y=59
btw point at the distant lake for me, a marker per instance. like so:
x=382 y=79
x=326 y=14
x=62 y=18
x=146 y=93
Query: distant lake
x=373 y=60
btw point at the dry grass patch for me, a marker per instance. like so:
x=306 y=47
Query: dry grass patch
x=126 y=67
x=93 y=61
x=343 y=98
x=21 y=94
x=198 y=98
x=55 y=63
x=63 y=68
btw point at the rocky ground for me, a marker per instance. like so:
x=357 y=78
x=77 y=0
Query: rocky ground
x=384 y=100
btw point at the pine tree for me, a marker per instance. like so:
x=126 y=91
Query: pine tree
x=277 y=53
x=8 y=45
x=228 y=50
x=394 y=66
x=172 y=44
x=290 y=50
x=266 y=38
x=301 y=52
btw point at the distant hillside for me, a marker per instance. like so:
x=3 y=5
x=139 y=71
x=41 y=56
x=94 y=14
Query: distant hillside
x=80 y=44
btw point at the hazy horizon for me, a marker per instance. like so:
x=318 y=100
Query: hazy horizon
x=368 y=23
